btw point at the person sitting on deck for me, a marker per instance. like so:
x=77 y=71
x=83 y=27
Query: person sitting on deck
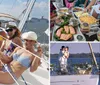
x=21 y=59
x=14 y=35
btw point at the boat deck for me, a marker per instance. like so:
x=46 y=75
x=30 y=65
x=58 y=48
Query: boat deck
x=75 y=80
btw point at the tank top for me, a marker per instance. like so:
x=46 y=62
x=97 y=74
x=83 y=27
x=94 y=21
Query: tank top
x=10 y=49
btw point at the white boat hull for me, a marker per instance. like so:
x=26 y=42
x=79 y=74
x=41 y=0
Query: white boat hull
x=75 y=80
x=39 y=77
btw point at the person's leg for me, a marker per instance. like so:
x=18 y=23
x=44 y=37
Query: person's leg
x=5 y=78
x=66 y=65
x=58 y=64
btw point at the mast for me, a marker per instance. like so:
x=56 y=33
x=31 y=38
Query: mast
x=90 y=46
x=27 y=13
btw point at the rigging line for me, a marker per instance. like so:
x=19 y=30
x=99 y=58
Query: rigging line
x=26 y=50
x=24 y=9
x=13 y=4
x=9 y=72
x=27 y=3
x=27 y=6
x=22 y=13
x=24 y=80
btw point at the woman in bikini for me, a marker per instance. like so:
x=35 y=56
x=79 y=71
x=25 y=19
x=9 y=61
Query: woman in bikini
x=14 y=35
x=20 y=60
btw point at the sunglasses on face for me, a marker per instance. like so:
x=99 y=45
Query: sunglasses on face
x=9 y=30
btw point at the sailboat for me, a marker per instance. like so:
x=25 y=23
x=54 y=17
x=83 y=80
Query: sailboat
x=79 y=79
x=41 y=75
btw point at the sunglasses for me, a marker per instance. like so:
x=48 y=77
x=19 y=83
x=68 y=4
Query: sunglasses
x=9 y=30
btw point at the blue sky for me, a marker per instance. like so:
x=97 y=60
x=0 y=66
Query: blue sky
x=40 y=8
x=74 y=47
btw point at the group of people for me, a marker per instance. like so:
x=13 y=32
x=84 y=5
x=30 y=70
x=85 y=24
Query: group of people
x=88 y=5
x=15 y=55
x=62 y=58
x=95 y=6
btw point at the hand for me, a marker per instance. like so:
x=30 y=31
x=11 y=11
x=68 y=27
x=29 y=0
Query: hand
x=85 y=10
x=39 y=51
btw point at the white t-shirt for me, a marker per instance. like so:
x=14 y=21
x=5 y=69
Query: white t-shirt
x=63 y=59
x=96 y=8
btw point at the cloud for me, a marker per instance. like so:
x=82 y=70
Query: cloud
x=39 y=9
x=19 y=1
x=41 y=5
x=15 y=11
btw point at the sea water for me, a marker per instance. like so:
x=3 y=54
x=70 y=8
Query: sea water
x=76 y=61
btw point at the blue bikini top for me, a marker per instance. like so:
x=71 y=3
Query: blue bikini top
x=24 y=61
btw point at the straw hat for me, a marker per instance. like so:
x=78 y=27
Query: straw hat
x=29 y=36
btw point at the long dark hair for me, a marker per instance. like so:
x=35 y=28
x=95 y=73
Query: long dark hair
x=17 y=33
x=62 y=47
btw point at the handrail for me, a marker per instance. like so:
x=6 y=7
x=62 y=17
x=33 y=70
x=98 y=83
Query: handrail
x=8 y=16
